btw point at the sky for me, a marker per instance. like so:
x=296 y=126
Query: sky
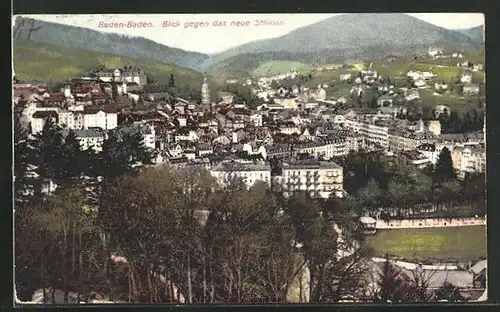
x=212 y=39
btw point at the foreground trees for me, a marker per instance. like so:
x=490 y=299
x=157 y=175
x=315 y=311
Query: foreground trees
x=376 y=181
x=253 y=246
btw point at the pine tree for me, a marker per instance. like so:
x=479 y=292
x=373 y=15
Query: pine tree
x=449 y=293
x=171 y=81
x=21 y=158
x=74 y=160
x=444 y=170
x=48 y=146
x=121 y=152
x=455 y=122
x=390 y=283
x=467 y=123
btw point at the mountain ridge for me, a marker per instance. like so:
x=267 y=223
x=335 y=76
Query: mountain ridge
x=351 y=32
x=475 y=33
x=109 y=43
x=35 y=61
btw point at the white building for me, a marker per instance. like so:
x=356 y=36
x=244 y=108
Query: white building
x=420 y=83
x=250 y=173
x=289 y=128
x=374 y=133
x=345 y=77
x=468 y=159
x=320 y=93
x=440 y=86
x=319 y=179
x=466 y=78
x=39 y=118
x=88 y=138
x=100 y=117
x=256 y=119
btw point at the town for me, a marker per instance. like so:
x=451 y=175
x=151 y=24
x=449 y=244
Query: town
x=362 y=181
x=296 y=126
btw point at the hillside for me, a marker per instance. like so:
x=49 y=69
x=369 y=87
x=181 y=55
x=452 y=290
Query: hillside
x=475 y=33
x=45 y=62
x=362 y=35
x=256 y=65
x=280 y=67
x=87 y=39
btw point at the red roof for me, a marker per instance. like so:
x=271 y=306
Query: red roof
x=57 y=97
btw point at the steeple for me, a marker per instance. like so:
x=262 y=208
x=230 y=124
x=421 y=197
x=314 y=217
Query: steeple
x=421 y=126
x=205 y=92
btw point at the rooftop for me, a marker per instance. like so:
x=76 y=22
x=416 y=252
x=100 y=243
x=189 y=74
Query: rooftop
x=235 y=166
x=310 y=164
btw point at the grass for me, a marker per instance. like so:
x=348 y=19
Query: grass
x=462 y=243
x=45 y=62
x=272 y=68
x=454 y=101
x=387 y=69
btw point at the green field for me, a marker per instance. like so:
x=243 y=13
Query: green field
x=273 y=68
x=387 y=69
x=454 y=101
x=461 y=243
x=44 y=62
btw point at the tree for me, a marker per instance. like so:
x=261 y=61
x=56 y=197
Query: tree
x=390 y=283
x=427 y=113
x=449 y=293
x=455 y=122
x=467 y=123
x=371 y=194
x=121 y=153
x=444 y=170
x=48 y=149
x=22 y=155
x=75 y=161
x=171 y=81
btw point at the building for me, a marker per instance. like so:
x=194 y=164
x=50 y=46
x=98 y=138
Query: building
x=470 y=89
x=411 y=94
x=320 y=93
x=147 y=131
x=468 y=159
x=38 y=119
x=434 y=127
x=375 y=133
x=88 y=138
x=250 y=173
x=324 y=148
x=127 y=74
x=404 y=140
x=466 y=78
x=319 y=179
x=100 y=117
x=385 y=101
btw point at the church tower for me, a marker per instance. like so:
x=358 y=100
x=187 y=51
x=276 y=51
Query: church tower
x=205 y=92
x=421 y=126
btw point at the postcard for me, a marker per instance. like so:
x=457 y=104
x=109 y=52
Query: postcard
x=249 y=158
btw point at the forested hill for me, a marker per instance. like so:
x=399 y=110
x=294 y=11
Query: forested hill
x=475 y=33
x=108 y=43
x=356 y=36
x=35 y=61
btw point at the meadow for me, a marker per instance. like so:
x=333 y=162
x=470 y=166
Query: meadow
x=467 y=243
x=47 y=62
